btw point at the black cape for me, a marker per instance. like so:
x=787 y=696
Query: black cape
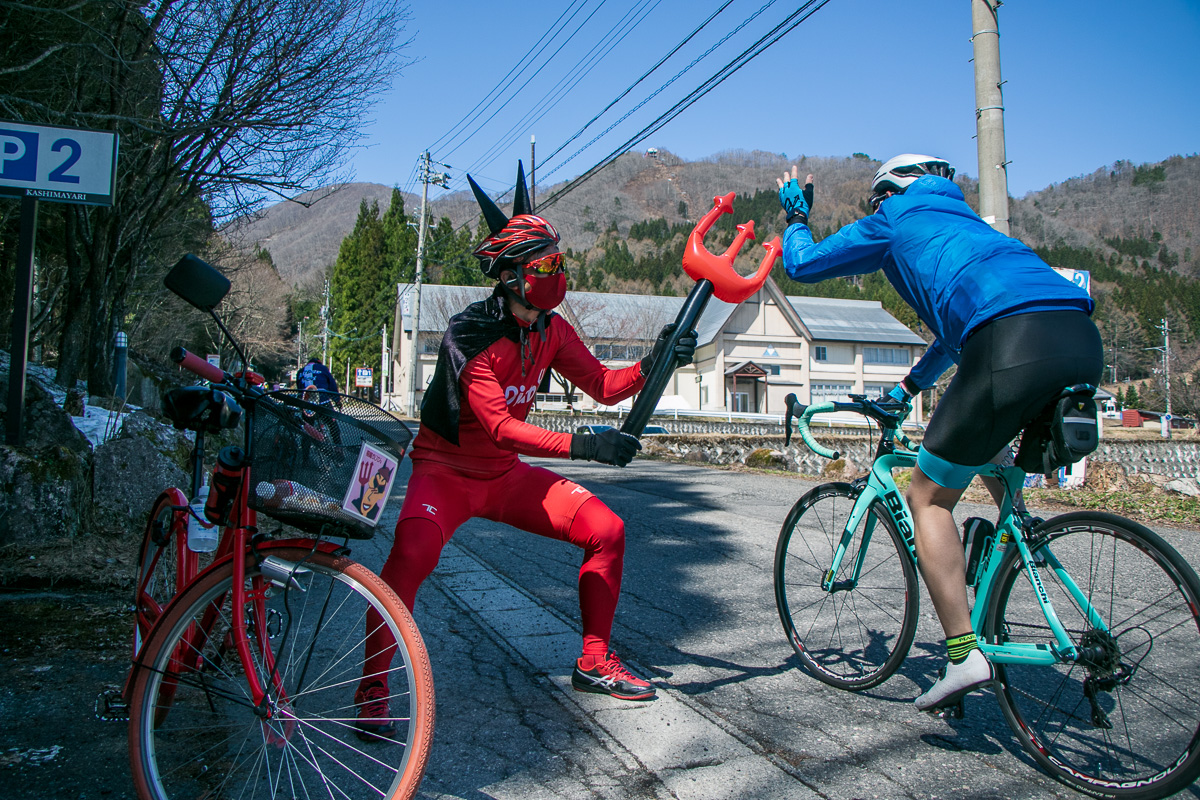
x=469 y=333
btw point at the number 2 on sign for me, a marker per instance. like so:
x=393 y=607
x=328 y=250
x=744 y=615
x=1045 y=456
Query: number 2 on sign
x=60 y=173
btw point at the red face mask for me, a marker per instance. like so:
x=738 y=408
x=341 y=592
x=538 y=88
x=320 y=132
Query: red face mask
x=545 y=291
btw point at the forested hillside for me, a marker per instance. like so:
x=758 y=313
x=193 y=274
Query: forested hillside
x=624 y=230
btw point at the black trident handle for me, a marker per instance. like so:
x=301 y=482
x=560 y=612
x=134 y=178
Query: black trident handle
x=664 y=365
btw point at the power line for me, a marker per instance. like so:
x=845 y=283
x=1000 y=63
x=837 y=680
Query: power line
x=537 y=72
x=643 y=77
x=660 y=89
x=745 y=57
x=573 y=76
x=550 y=32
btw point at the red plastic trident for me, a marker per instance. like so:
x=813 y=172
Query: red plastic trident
x=700 y=264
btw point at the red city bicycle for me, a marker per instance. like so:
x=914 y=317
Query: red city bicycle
x=245 y=660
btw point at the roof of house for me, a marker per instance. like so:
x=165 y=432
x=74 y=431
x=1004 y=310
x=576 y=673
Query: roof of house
x=852 y=321
x=637 y=317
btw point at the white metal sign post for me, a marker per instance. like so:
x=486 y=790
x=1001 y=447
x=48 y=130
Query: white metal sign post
x=45 y=162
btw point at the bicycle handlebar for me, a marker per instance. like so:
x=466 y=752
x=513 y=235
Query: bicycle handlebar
x=874 y=409
x=194 y=363
x=805 y=413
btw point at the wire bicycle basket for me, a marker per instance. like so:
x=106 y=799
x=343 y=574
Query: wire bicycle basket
x=323 y=462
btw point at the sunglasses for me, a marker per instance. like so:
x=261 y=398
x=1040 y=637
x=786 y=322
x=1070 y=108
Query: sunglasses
x=546 y=265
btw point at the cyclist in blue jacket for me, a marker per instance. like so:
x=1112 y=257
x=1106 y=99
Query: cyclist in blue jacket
x=1018 y=331
x=315 y=374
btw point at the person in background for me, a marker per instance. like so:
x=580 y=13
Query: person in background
x=1018 y=331
x=492 y=359
x=315 y=375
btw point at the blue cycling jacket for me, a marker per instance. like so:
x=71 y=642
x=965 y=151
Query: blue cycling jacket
x=314 y=373
x=953 y=268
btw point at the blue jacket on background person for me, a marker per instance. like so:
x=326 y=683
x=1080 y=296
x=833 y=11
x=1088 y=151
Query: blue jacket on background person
x=953 y=268
x=314 y=373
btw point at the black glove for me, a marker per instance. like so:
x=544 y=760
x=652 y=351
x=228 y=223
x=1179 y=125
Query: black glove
x=685 y=348
x=608 y=447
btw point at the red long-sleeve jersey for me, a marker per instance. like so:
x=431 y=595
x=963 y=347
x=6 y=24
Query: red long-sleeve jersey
x=496 y=399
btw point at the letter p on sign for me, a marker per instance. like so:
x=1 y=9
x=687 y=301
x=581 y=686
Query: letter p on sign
x=18 y=155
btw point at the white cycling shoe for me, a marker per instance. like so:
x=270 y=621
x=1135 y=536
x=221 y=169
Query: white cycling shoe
x=956 y=680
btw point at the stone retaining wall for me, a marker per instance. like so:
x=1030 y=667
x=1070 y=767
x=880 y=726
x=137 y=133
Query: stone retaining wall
x=722 y=442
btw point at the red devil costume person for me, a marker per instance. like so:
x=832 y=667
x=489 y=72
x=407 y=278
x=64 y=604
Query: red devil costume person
x=493 y=357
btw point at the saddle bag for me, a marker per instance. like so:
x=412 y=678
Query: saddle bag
x=1064 y=434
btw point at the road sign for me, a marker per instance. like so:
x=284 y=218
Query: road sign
x=65 y=165
x=363 y=376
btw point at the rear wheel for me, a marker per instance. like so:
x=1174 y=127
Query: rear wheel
x=858 y=634
x=1123 y=720
x=194 y=730
x=164 y=563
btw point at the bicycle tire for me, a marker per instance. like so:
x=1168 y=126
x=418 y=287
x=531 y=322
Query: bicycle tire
x=1141 y=673
x=201 y=737
x=165 y=564
x=851 y=638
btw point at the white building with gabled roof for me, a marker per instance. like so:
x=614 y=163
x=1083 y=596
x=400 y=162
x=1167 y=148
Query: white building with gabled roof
x=748 y=357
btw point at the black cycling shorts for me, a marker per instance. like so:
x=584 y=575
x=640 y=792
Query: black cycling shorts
x=1011 y=369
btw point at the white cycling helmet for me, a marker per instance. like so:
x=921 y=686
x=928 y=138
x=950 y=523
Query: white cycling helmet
x=897 y=173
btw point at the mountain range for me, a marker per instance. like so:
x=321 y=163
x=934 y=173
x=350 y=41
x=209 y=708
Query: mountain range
x=1158 y=203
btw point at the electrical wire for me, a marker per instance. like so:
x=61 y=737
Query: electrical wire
x=487 y=98
x=537 y=72
x=572 y=77
x=774 y=35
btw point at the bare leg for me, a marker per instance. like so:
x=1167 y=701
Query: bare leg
x=939 y=551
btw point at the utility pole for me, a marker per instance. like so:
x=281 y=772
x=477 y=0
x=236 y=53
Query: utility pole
x=325 y=327
x=1164 y=327
x=532 y=169
x=439 y=179
x=989 y=115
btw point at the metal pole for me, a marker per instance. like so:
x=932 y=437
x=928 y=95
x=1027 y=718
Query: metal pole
x=120 y=355
x=413 y=356
x=532 y=171
x=1166 y=326
x=989 y=115
x=22 y=300
x=325 y=327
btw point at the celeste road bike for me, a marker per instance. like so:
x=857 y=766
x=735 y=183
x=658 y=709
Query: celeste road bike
x=1091 y=621
x=246 y=658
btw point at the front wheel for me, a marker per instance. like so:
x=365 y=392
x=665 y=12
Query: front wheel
x=1123 y=720
x=857 y=634
x=195 y=732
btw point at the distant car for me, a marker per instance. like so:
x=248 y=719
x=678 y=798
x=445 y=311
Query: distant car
x=593 y=428
x=654 y=430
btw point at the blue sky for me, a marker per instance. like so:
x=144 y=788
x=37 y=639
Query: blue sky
x=1086 y=84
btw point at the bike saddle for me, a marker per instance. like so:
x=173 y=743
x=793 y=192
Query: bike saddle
x=201 y=408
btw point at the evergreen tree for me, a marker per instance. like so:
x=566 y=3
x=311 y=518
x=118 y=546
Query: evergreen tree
x=1131 y=397
x=379 y=253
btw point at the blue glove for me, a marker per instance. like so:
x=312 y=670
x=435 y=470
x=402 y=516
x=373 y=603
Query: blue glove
x=796 y=202
x=899 y=394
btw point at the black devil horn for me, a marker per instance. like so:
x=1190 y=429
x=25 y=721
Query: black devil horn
x=492 y=214
x=521 y=204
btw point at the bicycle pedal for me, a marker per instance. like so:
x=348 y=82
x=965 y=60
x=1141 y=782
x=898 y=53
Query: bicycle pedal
x=954 y=710
x=111 y=706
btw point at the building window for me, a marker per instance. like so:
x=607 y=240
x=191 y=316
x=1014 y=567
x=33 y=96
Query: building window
x=874 y=391
x=836 y=392
x=430 y=345
x=621 y=352
x=820 y=353
x=885 y=355
x=772 y=369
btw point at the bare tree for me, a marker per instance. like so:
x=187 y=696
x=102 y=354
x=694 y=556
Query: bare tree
x=221 y=106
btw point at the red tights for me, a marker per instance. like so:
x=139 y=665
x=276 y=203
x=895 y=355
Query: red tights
x=594 y=527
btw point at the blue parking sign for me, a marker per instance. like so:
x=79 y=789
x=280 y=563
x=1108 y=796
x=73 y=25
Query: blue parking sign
x=66 y=165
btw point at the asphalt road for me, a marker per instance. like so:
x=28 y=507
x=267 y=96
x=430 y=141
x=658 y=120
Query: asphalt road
x=697 y=615
x=736 y=717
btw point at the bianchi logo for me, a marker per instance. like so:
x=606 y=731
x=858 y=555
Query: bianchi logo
x=432 y=511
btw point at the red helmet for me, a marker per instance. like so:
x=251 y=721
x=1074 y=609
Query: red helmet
x=524 y=234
